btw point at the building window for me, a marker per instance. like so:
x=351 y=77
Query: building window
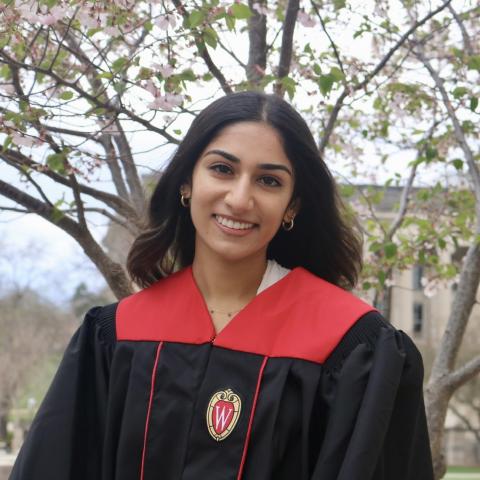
x=417 y=277
x=418 y=317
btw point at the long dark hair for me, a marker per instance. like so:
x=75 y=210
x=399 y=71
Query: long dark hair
x=324 y=239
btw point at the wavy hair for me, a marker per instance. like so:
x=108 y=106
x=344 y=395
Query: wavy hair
x=325 y=240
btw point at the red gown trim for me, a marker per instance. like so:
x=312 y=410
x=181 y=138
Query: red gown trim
x=150 y=401
x=300 y=316
x=250 y=421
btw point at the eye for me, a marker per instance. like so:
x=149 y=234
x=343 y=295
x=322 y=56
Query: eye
x=221 y=168
x=269 y=181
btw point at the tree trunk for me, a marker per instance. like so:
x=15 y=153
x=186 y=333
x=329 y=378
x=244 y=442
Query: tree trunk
x=437 y=397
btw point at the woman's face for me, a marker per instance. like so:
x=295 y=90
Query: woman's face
x=241 y=190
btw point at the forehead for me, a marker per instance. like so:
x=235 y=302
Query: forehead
x=249 y=140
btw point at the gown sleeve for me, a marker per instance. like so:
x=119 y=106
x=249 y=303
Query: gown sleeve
x=374 y=415
x=65 y=439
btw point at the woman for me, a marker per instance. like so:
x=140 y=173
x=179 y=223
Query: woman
x=252 y=360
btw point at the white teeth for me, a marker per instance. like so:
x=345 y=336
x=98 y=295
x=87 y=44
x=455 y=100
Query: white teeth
x=231 y=224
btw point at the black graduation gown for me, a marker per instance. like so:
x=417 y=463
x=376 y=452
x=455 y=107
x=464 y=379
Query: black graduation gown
x=307 y=382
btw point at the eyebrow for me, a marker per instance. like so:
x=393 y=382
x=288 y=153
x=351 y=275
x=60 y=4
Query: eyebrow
x=235 y=159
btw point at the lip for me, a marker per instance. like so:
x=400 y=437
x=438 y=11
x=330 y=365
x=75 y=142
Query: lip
x=233 y=231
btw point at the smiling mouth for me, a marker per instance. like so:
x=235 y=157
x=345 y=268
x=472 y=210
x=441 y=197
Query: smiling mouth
x=227 y=222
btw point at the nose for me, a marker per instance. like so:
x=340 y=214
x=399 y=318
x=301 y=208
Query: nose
x=239 y=197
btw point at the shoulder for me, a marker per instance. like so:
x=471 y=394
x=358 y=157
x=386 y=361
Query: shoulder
x=100 y=322
x=373 y=332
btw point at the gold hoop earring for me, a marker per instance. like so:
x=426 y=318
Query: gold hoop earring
x=287 y=226
x=185 y=201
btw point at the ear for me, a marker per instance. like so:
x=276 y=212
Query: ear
x=292 y=210
x=186 y=190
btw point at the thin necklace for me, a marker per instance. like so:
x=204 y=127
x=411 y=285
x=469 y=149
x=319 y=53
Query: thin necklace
x=230 y=314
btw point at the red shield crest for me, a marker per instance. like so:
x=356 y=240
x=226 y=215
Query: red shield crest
x=222 y=413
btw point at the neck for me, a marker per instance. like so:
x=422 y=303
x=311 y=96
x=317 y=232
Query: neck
x=225 y=285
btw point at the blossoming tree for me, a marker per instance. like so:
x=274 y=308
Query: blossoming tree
x=82 y=83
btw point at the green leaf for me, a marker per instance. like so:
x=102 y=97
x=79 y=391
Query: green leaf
x=230 y=20
x=289 y=85
x=7 y=142
x=390 y=250
x=338 y=4
x=56 y=161
x=459 y=92
x=337 y=74
x=473 y=103
x=210 y=36
x=457 y=163
x=381 y=277
x=119 y=87
x=119 y=64
x=177 y=132
x=431 y=153
x=366 y=286
x=106 y=75
x=474 y=63
x=241 y=11
x=196 y=18
x=317 y=69
x=67 y=95
x=325 y=82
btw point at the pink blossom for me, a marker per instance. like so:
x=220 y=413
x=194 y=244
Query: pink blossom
x=305 y=19
x=112 y=31
x=166 y=102
x=88 y=20
x=150 y=87
x=27 y=10
x=25 y=141
x=8 y=88
x=165 y=70
x=165 y=21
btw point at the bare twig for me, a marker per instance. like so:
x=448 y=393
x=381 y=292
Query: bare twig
x=203 y=51
x=91 y=98
x=348 y=91
x=404 y=200
x=332 y=43
x=461 y=26
x=458 y=131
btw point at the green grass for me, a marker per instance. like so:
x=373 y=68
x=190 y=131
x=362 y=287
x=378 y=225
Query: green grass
x=463 y=470
x=474 y=473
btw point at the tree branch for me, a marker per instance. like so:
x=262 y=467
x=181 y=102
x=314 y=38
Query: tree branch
x=112 y=271
x=458 y=131
x=203 y=51
x=78 y=201
x=349 y=90
x=332 y=43
x=287 y=44
x=465 y=373
x=116 y=203
x=257 y=49
x=113 y=166
x=461 y=26
x=131 y=173
x=465 y=421
x=91 y=98
x=404 y=200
